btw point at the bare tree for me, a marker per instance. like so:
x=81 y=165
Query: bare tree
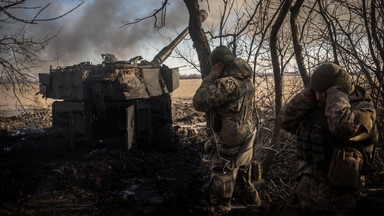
x=327 y=30
x=259 y=35
x=330 y=30
x=19 y=50
x=158 y=15
x=360 y=42
x=295 y=10
x=278 y=80
x=198 y=36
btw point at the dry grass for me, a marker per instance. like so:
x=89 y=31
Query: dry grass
x=10 y=105
x=28 y=100
x=187 y=89
x=264 y=97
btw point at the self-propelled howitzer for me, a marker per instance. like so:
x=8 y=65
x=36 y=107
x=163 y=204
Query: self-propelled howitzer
x=123 y=100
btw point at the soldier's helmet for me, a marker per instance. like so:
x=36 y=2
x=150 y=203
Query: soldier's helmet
x=239 y=67
x=222 y=54
x=324 y=76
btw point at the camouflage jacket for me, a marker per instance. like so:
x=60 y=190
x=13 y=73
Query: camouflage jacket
x=350 y=119
x=295 y=111
x=224 y=96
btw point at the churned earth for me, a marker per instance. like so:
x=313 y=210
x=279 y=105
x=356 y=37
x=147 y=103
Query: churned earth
x=41 y=175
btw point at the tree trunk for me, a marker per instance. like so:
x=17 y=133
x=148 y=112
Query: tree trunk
x=278 y=86
x=295 y=10
x=332 y=34
x=198 y=37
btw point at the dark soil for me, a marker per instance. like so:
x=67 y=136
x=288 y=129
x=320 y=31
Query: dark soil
x=41 y=175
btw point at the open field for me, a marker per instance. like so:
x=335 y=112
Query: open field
x=10 y=105
x=187 y=89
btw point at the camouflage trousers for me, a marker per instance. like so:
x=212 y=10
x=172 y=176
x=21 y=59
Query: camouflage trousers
x=312 y=196
x=222 y=184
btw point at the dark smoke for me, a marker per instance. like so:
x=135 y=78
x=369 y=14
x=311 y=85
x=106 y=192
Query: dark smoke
x=95 y=28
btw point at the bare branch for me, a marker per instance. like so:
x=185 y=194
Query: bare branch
x=19 y=51
x=35 y=19
x=162 y=10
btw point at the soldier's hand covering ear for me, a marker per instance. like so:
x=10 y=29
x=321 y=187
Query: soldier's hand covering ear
x=343 y=81
x=216 y=70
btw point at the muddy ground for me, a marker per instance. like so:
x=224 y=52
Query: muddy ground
x=41 y=175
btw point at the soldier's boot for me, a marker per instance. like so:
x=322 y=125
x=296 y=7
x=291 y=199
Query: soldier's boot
x=256 y=171
x=251 y=196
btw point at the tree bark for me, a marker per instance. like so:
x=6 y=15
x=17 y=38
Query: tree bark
x=278 y=86
x=200 y=41
x=295 y=10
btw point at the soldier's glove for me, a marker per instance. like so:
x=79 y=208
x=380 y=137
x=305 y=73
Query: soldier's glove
x=343 y=82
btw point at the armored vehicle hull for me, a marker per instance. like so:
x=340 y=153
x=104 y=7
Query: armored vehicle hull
x=115 y=99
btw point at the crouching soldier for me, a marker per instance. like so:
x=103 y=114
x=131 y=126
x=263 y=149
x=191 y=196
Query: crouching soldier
x=335 y=124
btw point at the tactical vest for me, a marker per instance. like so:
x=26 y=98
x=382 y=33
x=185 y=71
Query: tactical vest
x=364 y=142
x=230 y=128
x=314 y=142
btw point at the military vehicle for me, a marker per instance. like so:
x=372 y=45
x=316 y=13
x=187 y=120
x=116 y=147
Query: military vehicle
x=129 y=100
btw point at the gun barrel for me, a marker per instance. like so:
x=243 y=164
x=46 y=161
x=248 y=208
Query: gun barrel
x=166 y=51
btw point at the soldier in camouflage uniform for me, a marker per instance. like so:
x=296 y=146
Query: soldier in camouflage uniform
x=335 y=123
x=227 y=98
